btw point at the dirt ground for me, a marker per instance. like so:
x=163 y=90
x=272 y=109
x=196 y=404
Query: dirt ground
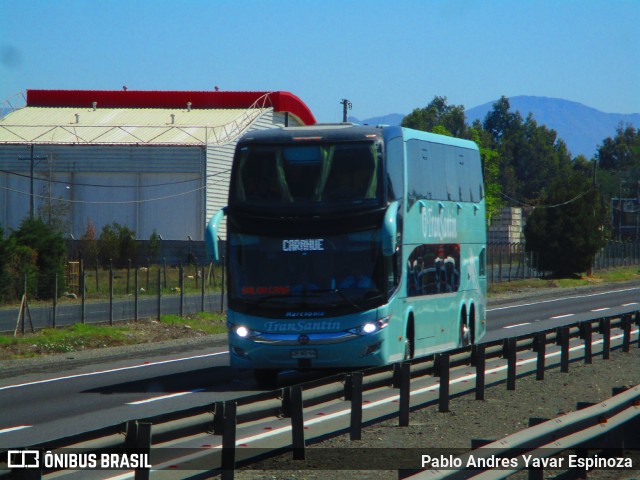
x=501 y=413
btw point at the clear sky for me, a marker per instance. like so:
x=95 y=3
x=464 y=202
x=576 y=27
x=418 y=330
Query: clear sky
x=384 y=56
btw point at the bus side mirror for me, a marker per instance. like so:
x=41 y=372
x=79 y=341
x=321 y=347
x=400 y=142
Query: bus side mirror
x=211 y=235
x=390 y=230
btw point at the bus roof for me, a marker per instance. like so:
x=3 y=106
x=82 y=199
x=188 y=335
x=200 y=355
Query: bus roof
x=331 y=132
x=410 y=134
x=342 y=132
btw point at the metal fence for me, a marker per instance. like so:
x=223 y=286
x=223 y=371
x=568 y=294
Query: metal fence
x=106 y=295
x=618 y=254
x=511 y=261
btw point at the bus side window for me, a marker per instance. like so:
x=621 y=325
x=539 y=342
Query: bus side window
x=394 y=269
x=482 y=260
x=394 y=262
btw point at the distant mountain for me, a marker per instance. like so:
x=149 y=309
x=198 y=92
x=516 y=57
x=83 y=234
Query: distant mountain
x=390 y=119
x=582 y=128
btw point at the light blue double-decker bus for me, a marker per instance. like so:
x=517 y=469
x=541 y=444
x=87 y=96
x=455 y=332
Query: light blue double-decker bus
x=351 y=246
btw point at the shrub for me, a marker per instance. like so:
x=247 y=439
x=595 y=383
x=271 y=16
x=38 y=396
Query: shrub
x=49 y=248
x=117 y=243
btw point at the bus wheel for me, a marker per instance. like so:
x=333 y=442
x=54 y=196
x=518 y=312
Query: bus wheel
x=465 y=332
x=266 y=377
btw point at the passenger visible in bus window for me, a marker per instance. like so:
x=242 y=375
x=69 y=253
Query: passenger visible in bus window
x=356 y=277
x=451 y=274
x=447 y=276
x=440 y=271
x=358 y=280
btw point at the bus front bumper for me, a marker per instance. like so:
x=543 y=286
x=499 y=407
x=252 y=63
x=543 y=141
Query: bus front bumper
x=310 y=351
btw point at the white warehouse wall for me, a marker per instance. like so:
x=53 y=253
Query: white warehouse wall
x=172 y=189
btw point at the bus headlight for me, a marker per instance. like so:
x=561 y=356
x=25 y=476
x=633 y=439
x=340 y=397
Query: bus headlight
x=371 y=327
x=242 y=331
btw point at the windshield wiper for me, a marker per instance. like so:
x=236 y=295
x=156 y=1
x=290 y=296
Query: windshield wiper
x=307 y=294
x=341 y=294
x=257 y=303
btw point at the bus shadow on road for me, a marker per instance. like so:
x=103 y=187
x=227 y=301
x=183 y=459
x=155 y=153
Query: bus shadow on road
x=213 y=379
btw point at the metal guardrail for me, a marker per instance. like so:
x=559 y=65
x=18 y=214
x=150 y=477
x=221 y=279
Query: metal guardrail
x=576 y=430
x=223 y=418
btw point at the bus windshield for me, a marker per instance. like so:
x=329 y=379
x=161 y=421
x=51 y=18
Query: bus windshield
x=307 y=175
x=334 y=275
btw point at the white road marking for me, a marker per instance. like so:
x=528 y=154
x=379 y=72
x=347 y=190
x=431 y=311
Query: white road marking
x=561 y=299
x=14 y=429
x=517 y=325
x=111 y=370
x=165 y=397
x=563 y=316
x=601 y=309
x=629 y=304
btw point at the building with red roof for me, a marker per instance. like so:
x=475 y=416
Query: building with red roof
x=151 y=160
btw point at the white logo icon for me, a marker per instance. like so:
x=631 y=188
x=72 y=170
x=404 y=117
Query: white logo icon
x=23 y=459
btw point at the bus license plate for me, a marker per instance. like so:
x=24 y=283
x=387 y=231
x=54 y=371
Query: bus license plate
x=304 y=353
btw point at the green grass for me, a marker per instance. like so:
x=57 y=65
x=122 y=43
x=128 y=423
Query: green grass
x=211 y=323
x=83 y=337
x=69 y=339
x=601 y=276
x=620 y=274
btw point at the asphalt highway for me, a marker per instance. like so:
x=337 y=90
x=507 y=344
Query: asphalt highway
x=52 y=403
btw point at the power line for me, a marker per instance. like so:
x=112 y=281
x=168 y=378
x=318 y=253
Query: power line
x=117 y=202
x=577 y=197
x=97 y=185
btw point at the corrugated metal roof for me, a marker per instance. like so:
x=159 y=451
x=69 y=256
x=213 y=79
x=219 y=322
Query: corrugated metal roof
x=280 y=101
x=105 y=126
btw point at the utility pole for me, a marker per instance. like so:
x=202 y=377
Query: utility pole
x=346 y=105
x=638 y=211
x=32 y=160
x=31 y=201
x=620 y=214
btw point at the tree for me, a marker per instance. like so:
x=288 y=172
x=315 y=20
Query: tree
x=500 y=121
x=621 y=152
x=54 y=210
x=50 y=251
x=155 y=242
x=619 y=163
x=490 y=169
x=89 y=244
x=23 y=266
x=567 y=234
x=6 y=256
x=530 y=156
x=117 y=243
x=438 y=117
